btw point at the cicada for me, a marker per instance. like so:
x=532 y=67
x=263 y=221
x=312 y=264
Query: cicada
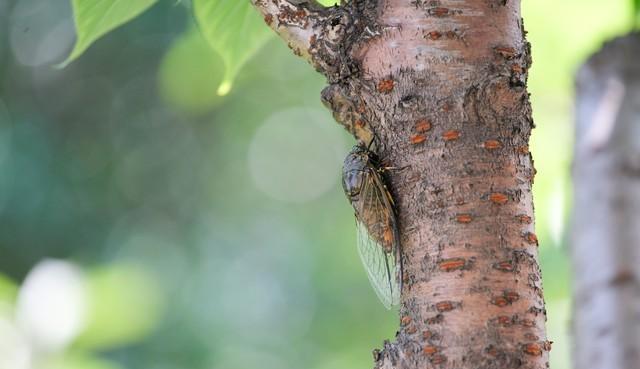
x=378 y=238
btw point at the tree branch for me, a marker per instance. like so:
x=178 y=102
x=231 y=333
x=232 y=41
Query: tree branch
x=294 y=21
x=314 y=32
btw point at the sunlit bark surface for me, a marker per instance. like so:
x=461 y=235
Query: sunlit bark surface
x=441 y=85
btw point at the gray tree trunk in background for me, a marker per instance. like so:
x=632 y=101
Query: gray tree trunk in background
x=606 y=219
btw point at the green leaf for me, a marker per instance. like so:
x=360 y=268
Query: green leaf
x=94 y=18
x=235 y=30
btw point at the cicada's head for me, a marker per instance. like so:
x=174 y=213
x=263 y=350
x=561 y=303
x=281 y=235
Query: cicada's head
x=354 y=170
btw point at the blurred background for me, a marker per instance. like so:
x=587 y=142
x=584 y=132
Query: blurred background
x=147 y=222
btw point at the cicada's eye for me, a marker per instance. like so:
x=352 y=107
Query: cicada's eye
x=352 y=182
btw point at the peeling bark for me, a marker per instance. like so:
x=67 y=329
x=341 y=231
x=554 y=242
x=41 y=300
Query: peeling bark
x=441 y=85
x=605 y=243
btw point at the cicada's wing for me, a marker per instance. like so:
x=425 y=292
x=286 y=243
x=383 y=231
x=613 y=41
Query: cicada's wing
x=380 y=262
x=381 y=267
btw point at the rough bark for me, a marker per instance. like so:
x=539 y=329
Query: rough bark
x=441 y=85
x=606 y=220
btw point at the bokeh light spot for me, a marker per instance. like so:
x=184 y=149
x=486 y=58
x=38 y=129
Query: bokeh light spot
x=52 y=304
x=296 y=155
x=41 y=32
x=15 y=352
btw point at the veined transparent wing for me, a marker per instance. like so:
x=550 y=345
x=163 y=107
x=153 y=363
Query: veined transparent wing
x=377 y=240
x=381 y=267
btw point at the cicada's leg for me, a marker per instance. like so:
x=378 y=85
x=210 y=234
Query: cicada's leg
x=384 y=168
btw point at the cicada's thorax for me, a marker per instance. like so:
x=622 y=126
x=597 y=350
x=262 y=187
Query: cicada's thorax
x=361 y=183
x=354 y=174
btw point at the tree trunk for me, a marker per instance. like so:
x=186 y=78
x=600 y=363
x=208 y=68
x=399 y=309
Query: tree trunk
x=605 y=242
x=441 y=86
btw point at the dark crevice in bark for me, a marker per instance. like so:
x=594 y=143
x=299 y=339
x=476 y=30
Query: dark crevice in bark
x=343 y=28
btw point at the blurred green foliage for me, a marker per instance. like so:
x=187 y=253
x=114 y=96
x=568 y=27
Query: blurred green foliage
x=129 y=163
x=94 y=18
x=8 y=290
x=188 y=77
x=120 y=316
x=234 y=30
x=80 y=361
x=122 y=307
